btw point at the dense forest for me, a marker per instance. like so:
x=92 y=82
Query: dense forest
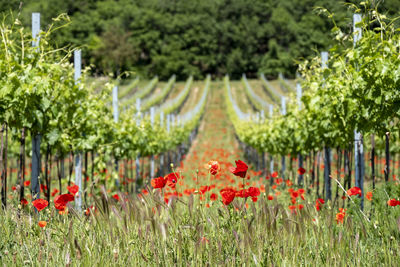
x=193 y=37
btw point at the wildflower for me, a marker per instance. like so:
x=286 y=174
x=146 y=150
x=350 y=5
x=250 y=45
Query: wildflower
x=301 y=171
x=393 y=202
x=240 y=170
x=204 y=188
x=318 y=203
x=42 y=224
x=354 y=191
x=116 y=197
x=228 y=195
x=27 y=183
x=213 y=167
x=252 y=192
x=368 y=196
x=13 y=188
x=55 y=191
x=293 y=209
x=73 y=189
x=159 y=182
x=24 y=202
x=213 y=197
x=40 y=204
x=172 y=179
x=270 y=197
x=61 y=201
x=274 y=174
x=340 y=215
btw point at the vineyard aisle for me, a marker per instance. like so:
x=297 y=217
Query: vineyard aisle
x=216 y=135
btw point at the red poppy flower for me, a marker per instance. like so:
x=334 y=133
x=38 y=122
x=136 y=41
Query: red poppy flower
x=318 y=203
x=27 y=183
x=354 y=191
x=253 y=192
x=274 y=174
x=60 y=202
x=340 y=215
x=301 y=171
x=116 y=197
x=294 y=194
x=213 y=197
x=55 y=191
x=14 y=188
x=24 y=202
x=228 y=195
x=204 y=188
x=42 y=224
x=40 y=204
x=172 y=179
x=393 y=202
x=254 y=199
x=73 y=189
x=159 y=182
x=213 y=167
x=300 y=206
x=293 y=209
x=270 y=197
x=240 y=170
x=368 y=196
x=241 y=193
x=43 y=187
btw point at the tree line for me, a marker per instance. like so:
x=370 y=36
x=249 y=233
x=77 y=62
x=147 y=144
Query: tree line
x=193 y=37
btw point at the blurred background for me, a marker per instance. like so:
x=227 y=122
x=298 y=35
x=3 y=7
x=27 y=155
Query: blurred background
x=193 y=37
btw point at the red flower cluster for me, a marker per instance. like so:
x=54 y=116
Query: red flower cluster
x=295 y=194
x=170 y=180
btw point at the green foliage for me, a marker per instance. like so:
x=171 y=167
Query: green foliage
x=358 y=91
